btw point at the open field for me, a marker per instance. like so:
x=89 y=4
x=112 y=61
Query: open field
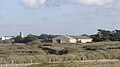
x=37 y=53
x=107 y=64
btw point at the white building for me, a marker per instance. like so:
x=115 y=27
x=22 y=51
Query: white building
x=64 y=39
x=71 y=39
x=21 y=34
x=83 y=39
x=7 y=37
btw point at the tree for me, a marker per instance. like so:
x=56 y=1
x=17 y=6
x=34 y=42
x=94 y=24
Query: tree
x=19 y=39
x=118 y=34
x=95 y=38
x=30 y=38
x=43 y=36
x=104 y=34
x=46 y=37
x=115 y=35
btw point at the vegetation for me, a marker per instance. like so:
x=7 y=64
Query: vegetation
x=110 y=64
x=106 y=35
x=29 y=38
x=46 y=37
x=101 y=35
x=37 y=49
x=18 y=39
x=37 y=52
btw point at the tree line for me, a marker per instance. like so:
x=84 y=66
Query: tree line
x=101 y=35
x=31 y=37
x=106 y=35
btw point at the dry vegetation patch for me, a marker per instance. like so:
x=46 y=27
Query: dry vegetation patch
x=58 y=53
x=110 y=64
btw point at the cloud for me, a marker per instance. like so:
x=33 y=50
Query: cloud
x=33 y=3
x=38 y=3
x=104 y=7
x=92 y=2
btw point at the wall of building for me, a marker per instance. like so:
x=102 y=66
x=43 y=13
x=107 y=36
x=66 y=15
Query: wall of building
x=6 y=38
x=72 y=40
x=85 y=40
x=62 y=38
x=67 y=39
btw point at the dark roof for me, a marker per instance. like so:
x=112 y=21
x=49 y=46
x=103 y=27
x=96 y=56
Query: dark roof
x=81 y=37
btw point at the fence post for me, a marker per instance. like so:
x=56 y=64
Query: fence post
x=26 y=64
x=6 y=65
x=12 y=63
x=50 y=61
x=64 y=60
x=31 y=61
x=16 y=65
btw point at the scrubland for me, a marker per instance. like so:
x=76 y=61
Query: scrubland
x=40 y=53
x=110 y=64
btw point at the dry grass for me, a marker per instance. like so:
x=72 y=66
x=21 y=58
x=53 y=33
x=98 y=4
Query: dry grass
x=110 y=64
x=21 y=53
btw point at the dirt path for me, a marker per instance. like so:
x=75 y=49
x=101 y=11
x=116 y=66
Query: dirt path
x=82 y=61
x=103 y=60
x=14 y=65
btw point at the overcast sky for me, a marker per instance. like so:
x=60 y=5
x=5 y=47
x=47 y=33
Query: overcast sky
x=72 y=17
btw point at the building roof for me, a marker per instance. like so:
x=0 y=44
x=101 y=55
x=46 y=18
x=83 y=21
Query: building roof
x=76 y=37
x=81 y=37
x=8 y=36
x=68 y=37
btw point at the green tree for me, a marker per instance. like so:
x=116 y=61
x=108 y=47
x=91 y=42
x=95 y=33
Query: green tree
x=19 y=39
x=115 y=35
x=104 y=34
x=30 y=38
x=96 y=38
x=43 y=36
x=46 y=37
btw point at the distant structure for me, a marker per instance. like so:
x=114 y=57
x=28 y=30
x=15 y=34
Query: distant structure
x=21 y=34
x=71 y=39
x=6 y=37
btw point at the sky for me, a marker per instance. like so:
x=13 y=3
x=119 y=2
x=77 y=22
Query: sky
x=65 y=17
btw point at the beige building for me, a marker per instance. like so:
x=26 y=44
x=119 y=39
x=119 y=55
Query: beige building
x=71 y=39
x=83 y=39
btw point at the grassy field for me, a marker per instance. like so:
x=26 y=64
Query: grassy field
x=36 y=52
x=110 y=64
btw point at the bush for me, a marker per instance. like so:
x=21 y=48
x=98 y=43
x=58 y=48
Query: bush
x=30 y=38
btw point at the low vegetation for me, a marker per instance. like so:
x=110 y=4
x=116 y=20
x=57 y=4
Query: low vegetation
x=36 y=52
x=111 y=64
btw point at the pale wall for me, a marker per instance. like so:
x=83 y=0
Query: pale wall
x=85 y=40
x=72 y=40
x=6 y=38
x=62 y=38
